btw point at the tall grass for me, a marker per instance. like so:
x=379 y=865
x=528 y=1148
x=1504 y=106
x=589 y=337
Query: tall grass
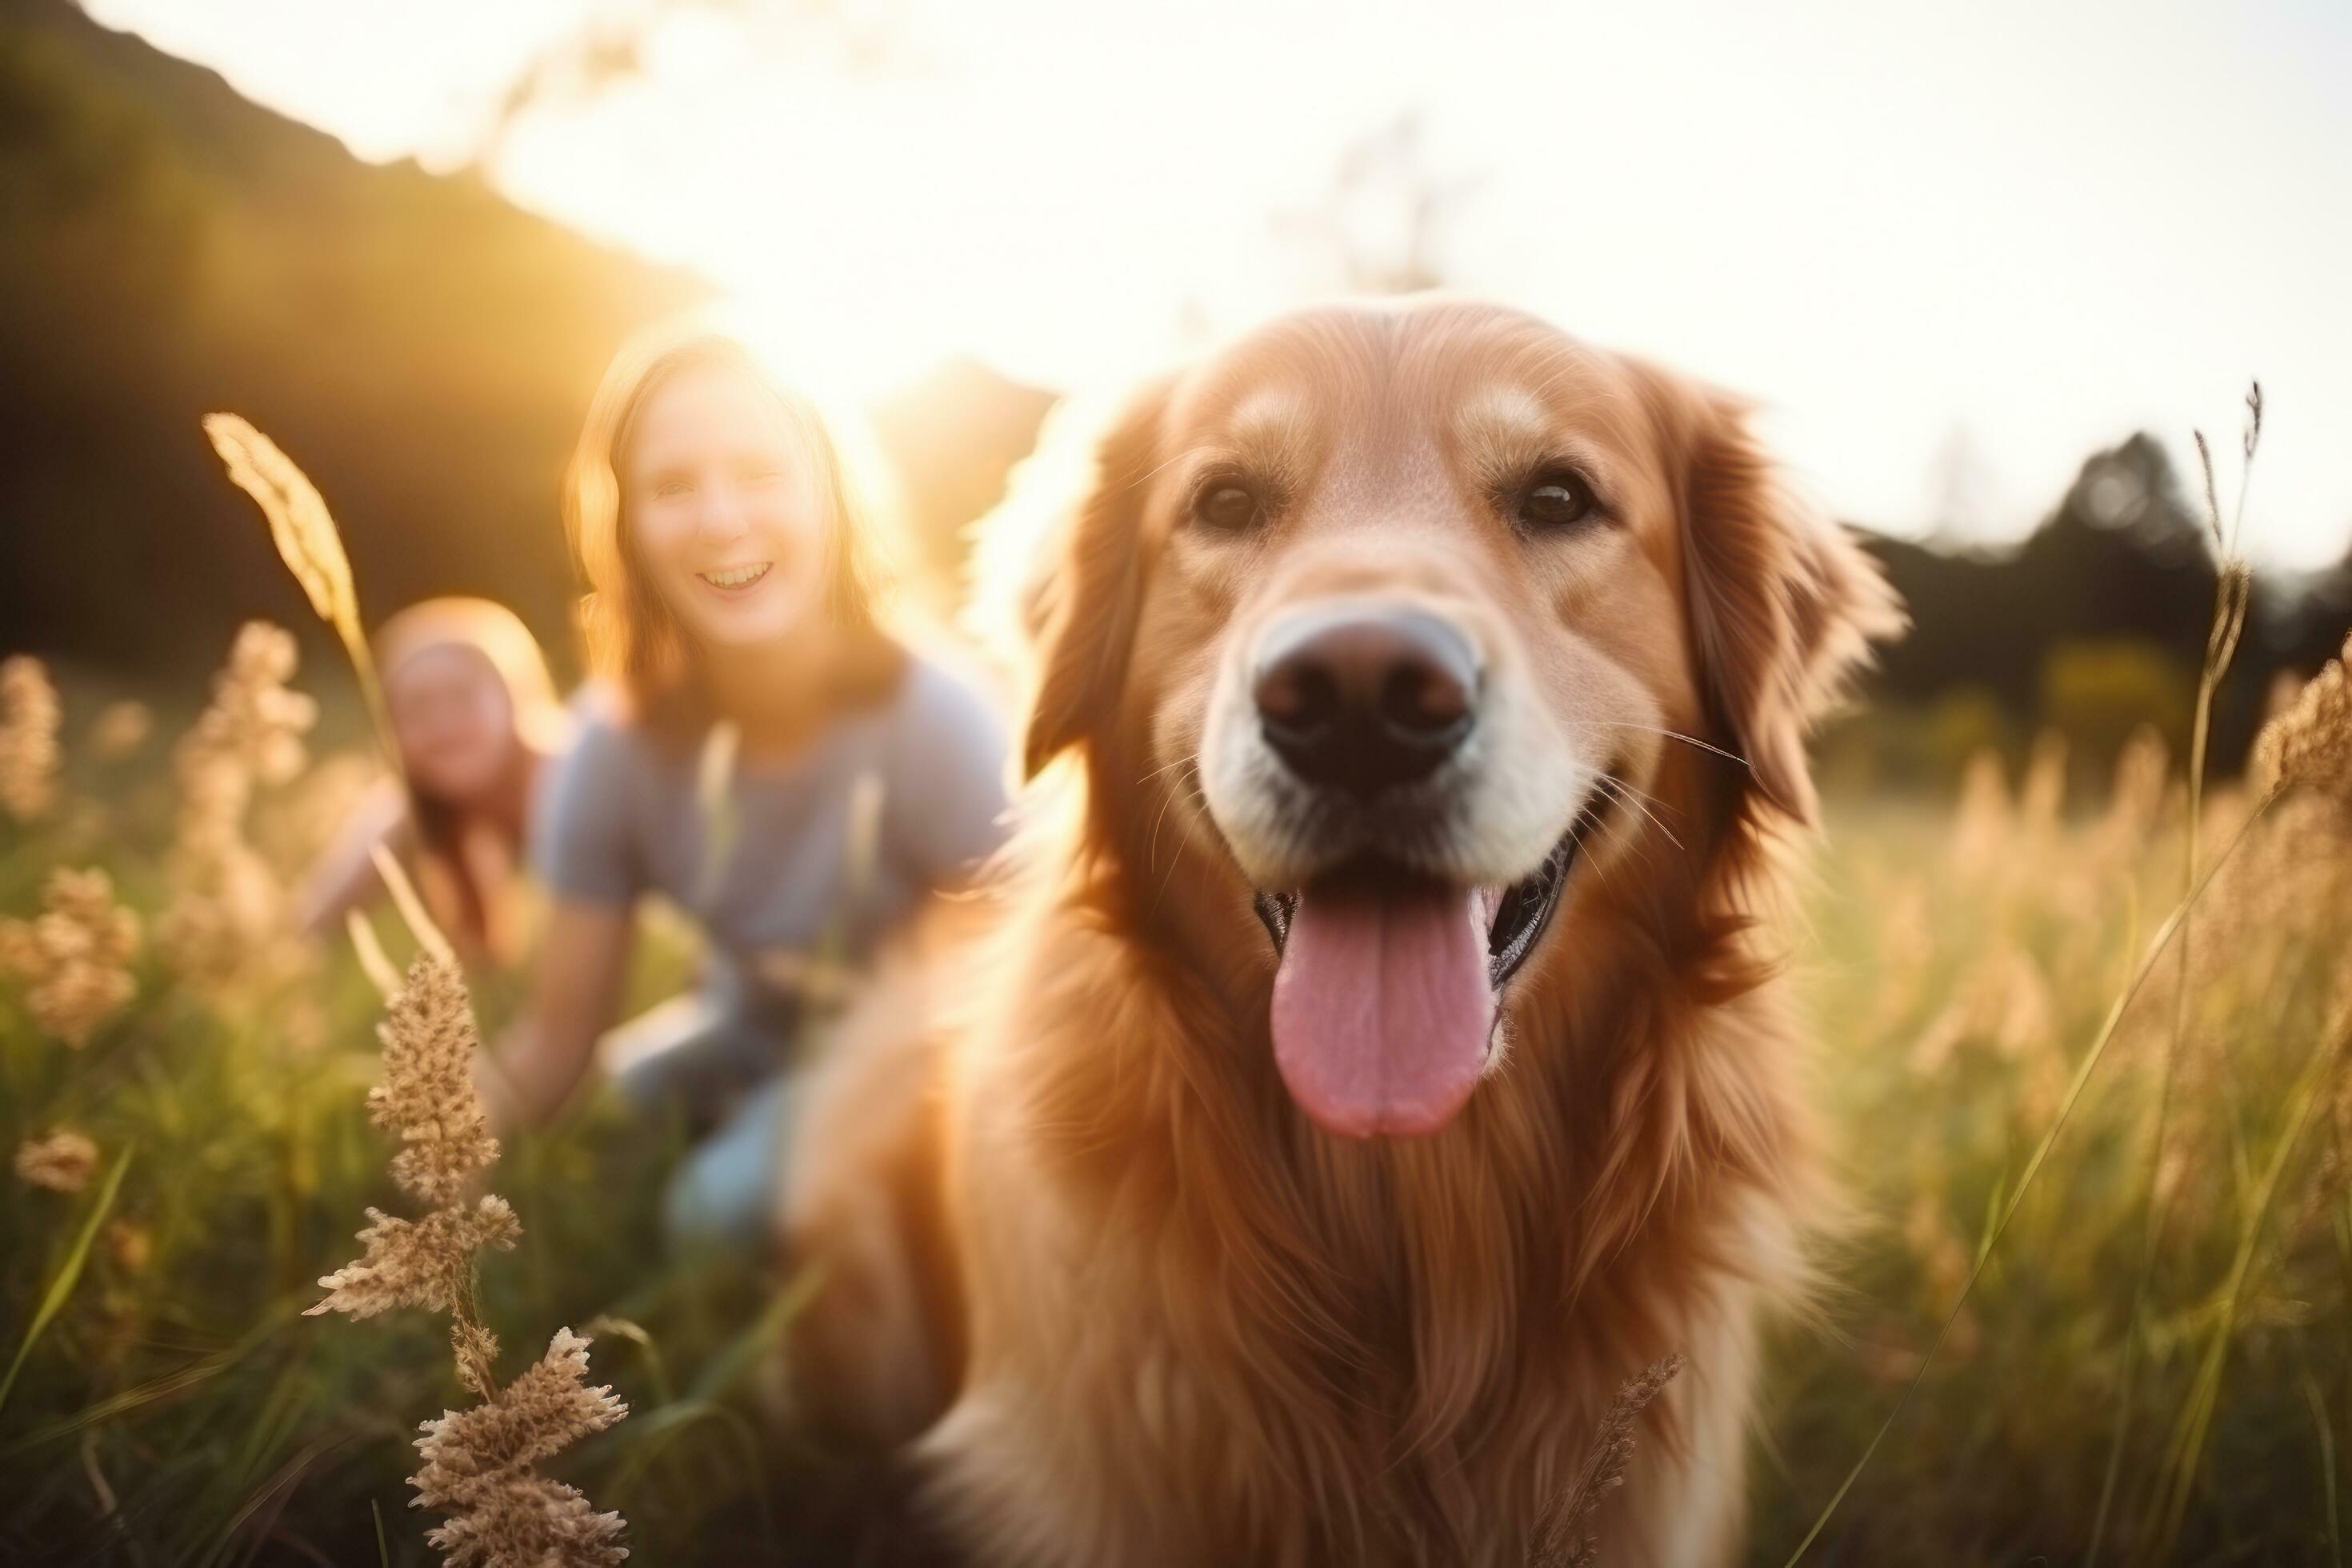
x=176 y=1407
x=166 y=1401
x=1999 y=1114
x=2178 y=1475
x=2232 y=585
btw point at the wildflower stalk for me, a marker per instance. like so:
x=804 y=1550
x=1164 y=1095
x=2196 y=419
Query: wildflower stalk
x=226 y=920
x=479 y=1467
x=2231 y=590
x=1564 y=1537
x=2160 y=943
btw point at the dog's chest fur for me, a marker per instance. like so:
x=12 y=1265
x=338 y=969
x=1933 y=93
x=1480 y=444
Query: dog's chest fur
x=1236 y=1339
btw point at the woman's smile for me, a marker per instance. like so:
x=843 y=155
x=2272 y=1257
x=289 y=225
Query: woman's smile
x=735 y=580
x=728 y=507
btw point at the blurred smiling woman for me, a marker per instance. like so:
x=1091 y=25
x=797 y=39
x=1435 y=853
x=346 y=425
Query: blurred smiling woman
x=477 y=721
x=733 y=581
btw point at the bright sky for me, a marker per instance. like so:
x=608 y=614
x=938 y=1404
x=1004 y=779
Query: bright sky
x=1952 y=256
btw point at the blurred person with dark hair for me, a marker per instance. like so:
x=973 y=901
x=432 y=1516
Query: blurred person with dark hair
x=756 y=746
x=477 y=721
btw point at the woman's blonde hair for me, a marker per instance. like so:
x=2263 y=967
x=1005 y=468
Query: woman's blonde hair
x=499 y=635
x=633 y=639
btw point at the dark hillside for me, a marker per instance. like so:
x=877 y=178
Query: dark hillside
x=422 y=346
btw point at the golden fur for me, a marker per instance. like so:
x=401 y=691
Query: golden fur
x=1082 y=1248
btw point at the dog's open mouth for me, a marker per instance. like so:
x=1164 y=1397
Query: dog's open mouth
x=1389 y=985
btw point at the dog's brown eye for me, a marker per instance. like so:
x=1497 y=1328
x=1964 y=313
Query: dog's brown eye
x=1557 y=501
x=1227 y=507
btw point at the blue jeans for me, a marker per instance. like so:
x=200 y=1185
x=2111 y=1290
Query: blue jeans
x=722 y=1066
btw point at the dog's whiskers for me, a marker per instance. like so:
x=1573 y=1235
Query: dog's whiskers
x=1576 y=837
x=1708 y=746
x=1620 y=790
x=1168 y=801
x=1199 y=797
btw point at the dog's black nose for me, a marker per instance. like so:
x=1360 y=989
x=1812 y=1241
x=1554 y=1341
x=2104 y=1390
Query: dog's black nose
x=1366 y=699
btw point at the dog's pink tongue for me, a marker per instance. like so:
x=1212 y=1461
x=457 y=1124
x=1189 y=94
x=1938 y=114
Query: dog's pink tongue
x=1381 y=1008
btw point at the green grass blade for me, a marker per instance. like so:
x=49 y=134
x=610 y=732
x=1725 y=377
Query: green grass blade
x=2220 y=647
x=726 y=1369
x=656 y=1368
x=2187 y=1451
x=69 y=1272
x=2326 y=1431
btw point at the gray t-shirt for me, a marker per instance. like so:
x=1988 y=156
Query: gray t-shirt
x=920 y=777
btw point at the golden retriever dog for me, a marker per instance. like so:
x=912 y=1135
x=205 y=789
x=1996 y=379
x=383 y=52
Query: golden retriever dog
x=1384 y=1061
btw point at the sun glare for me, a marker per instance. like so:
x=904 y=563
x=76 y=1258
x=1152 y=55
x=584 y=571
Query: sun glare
x=1933 y=252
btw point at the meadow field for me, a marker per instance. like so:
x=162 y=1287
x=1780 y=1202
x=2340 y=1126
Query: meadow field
x=2092 y=1300
x=2072 y=939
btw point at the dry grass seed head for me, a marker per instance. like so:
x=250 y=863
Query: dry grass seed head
x=226 y=922
x=417 y=1262
x=478 y=1468
x=299 y=523
x=30 y=717
x=427 y=1098
x=75 y=957
x=254 y=717
x=530 y=1519
x=1565 y=1538
x=63 y=1162
x=2310 y=744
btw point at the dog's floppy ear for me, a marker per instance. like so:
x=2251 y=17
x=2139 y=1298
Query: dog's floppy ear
x=1783 y=602
x=1082 y=611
